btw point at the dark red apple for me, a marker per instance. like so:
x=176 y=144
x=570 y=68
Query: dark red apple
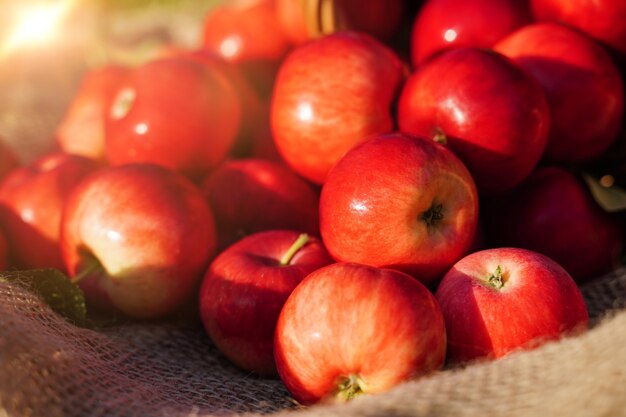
x=553 y=213
x=137 y=238
x=251 y=195
x=401 y=202
x=604 y=20
x=32 y=200
x=245 y=288
x=489 y=111
x=81 y=131
x=330 y=94
x=501 y=300
x=350 y=329
x=174 y=112
x=581 y=82
x=247 y=33
x=441 y=25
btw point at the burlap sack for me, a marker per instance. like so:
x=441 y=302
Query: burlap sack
x=49 y=367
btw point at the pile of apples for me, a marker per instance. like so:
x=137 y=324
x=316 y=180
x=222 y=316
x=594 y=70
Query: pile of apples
x=345 y=213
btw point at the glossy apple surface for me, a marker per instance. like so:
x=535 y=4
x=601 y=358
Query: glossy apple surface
x=247 y=33
x=400 y=202
x=350 y=329
x=501 y=300
x=175 y=113
x=604 y=20
x=244 y=290
x=553 y=213
x=490 y=112
x=330 y=94
x=81 y=131
x=583 y=86
x=32 y=199
x=251 y=195
x=441 y=25
x=137 y=239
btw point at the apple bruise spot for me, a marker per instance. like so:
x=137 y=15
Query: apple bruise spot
x=433 y=215
x=497 y=279
x=350 y=387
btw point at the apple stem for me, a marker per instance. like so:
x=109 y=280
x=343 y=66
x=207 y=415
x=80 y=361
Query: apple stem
x=496 y=280
x=440 y=137
x=89 y=269
x=295 y=247
x=350 y=387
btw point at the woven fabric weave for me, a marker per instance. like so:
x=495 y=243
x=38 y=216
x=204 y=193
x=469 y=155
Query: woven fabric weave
x=49 y=367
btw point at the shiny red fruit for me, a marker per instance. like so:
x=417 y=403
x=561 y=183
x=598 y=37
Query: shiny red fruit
x=350 y=329
x=490 y=112
x=331 y=94
x=441 y=25
x=175 y=113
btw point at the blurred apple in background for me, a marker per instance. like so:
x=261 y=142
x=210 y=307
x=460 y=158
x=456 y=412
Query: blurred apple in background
x=247 y=33
x=81 y=130
x=137 y=239
x=581 y=82
x=553 y=213
x=441 y=25
x=174 y=112
x=8 y=158
x=251 y=195
x=244 y=290
x=330 y=94
x=487 y=110
x=402 y=202
x=32 y=200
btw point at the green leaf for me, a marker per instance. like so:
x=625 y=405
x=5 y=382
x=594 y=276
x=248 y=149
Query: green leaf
x=54 y=288
x=610 y=198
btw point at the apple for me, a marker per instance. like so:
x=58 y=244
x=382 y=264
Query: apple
x=8 y=159
x=604 y=20
x=441 y=25
x=553 y=213
x=501 y=300
x=81 y=130
x=330 y=94
x=489 y=111
x=401 y=202
x=350 y=329
x=581 y=82
x=137 y=239
x=251 y=195
x=247 y=33
x=173 y=112
x=32 y=199
x=244 y=290
x=302 y=21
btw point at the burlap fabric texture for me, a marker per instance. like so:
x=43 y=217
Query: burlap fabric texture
x=49 y=367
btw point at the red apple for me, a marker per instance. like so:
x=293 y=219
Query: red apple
x=246 y=32
x=81 y=131
x=441 y=25
x=8 y=159
x=330 y=94
x=604 y=20
x=490 y=112
x=245 y=288
x=400 y=202
x=251 y=195
x=350 y=329
x=302 y=21
x=553 y=213
x=137 y=238
x=32 y=199
x=173 y=112
x=500 y=300
x=581 y=82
